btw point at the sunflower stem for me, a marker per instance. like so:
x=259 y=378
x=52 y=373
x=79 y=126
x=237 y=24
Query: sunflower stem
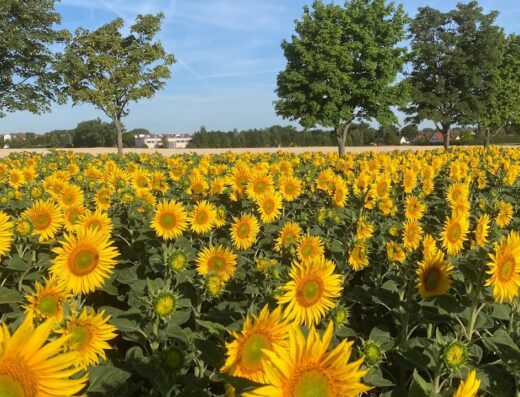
x=475 y=309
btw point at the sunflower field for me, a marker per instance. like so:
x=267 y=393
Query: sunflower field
x=260 y=275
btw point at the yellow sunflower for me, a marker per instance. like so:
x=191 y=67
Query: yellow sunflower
x=482 y=230
x=31 y=367
x=72 y=216
x=244 y=231
x=395 y=253
x=88 y=334
x=258 y=185
x=170 y=219
x=504 y=268
x=357 y=257
x=98 y=220
x=102 y=198
x=308 y=368
x=47 y=300
x=46 y=218
x=245 y=354
x=269 y=206
x=290 y=187
x=505 y=213
x=71 y=196
x=365 y=230
x=85 y=260
x=468 y=387
x=412 y=233
x=454 y=234
x=217 y=260
x=289 y=235
x=203 y=217
x=6 y=233
x=309 y=248
x=414 y=209
x=429 y=245
x=434 y=275
x=311 y=292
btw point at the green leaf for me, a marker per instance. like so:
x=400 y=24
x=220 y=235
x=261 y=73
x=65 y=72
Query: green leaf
x=106 y=378
x=419 y=387
x=8 y=295
x=375 y=378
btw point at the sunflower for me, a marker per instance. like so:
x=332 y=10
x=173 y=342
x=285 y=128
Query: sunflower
x=289 y=235
x=504 y=268
x=365 y=230
x=269 y=206
x=307 y=368
x=290 y=187
x=71 y=196
x=98 y=220
x=88 y=334
x=47 y=300
x=245 y=354
x=258 y=185
x=46 y=218
x=309 y=248
x=217 y=260
x=85 y=260
x=30 y=367
x=412 y=233
x=482 y=230
x=395 y=253
x=102 y=198
x=458 y=192
x=140 y=179
x=339 y=192
x=6 y=233
x=311 y=292
x=468 y=387
x=505 y=213
x=72 y=216
x=170 y=219
x=244 y=231
x=382 y=187
x=429 y=245
x=414 y=209
x=203 y=217
x=454 y=234
x=358 y=258
x=434 y=275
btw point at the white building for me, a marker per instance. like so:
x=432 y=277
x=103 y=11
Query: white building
x=177 y=141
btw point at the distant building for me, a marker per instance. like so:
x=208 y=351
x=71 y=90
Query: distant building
x=434 y=137
x=177 y=141
x=404 y=141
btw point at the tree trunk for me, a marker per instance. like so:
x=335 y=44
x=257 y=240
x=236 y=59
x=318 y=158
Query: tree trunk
x=341 y=136
x=487 y=138
x=119 y=129
x=446 y=133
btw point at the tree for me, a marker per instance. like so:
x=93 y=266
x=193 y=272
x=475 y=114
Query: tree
x=342 y=64
x=447 y=49
x=94 y=133
x=496 y=104
x=164 y=142
x=27 y=79
x=409 y=131
x=110 y=70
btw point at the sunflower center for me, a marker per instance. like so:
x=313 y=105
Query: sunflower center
x=80 y=336
x=17 y=379
x=243 y=230
x=455 y=233
x=313 y=384
x=165 y=305
x=288 y=238
x=432 y=279
x=218 y=264
x=268 y=206
x=47 y=305
x=309 y=292
x=307 y=251
x=381 y=188
x=94 y=224
x=167 y=221
x=202 y=217
x=507 y=268
x=290 y=188
x=259 y=187
x=83 y=261
x=142 y=181
x=42 y=221
x=252 y=351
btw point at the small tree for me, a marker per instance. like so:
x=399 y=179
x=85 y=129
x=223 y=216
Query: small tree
x=27 y=79
x=110 y=70
x=342 y=64
x=164 y=142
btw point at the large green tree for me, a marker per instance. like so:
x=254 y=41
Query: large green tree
x=453 y=57
x=27 y=78
x=94 y=133
x=342 y=65
x=109 y=70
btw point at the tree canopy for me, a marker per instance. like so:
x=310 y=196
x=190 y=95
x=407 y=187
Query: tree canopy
x=28 y=80
x=342 y=65
x=110 y=70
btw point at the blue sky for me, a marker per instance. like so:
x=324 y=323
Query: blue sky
x=228 y=55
